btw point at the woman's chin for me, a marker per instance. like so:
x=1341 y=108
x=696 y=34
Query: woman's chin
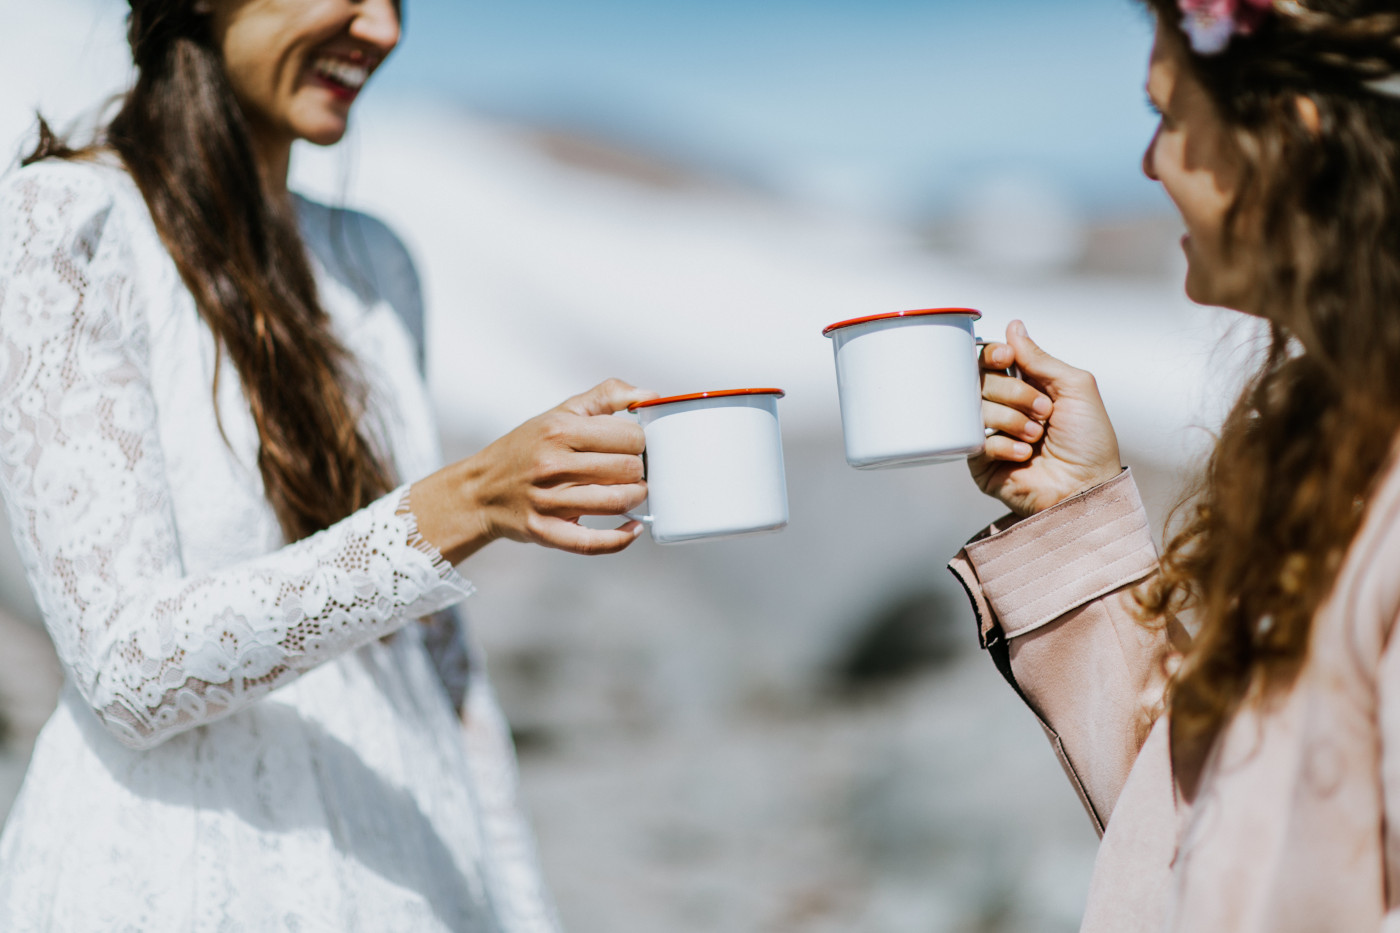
x=325 y=132
x=325 y=139
x=1209 y=294
x=1197 y=290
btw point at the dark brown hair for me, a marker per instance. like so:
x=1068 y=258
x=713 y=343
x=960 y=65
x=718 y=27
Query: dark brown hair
x=1261 y=540
x=185 y=140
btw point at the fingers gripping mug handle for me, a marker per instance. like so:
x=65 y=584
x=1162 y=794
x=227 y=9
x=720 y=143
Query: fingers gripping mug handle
x=637 y=515
x=1013 y=371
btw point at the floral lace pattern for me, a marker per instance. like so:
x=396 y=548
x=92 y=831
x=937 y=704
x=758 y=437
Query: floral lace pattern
x=174 y=604
x=154 y=652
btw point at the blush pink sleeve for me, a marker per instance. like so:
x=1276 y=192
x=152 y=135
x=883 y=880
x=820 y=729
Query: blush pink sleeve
x=1052 y=594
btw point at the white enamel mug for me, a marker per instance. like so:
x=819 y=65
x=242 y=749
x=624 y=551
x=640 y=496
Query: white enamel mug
x=910 y=388
x=714 y=465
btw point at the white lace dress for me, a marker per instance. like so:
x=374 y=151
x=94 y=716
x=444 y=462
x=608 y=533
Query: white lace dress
x=238 y=746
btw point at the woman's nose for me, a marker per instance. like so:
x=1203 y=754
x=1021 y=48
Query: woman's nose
x=377 y=23
x=1149 y=167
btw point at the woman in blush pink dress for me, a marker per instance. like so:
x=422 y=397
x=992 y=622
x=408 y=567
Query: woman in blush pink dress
x=1230 y=712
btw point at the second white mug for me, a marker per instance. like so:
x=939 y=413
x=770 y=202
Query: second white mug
x=909 y=386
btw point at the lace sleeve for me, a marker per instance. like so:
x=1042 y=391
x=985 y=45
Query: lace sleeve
x=81 y=469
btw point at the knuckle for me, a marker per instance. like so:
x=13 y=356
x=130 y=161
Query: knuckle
x=610 y=502
x=546 y=507
x=557 y=424
x=558 y=462
x=535 y=525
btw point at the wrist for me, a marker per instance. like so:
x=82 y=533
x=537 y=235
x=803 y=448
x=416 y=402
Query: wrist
x=450 y=512
x=1104 y=475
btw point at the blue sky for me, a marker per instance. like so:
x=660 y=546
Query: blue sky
x=901 y=103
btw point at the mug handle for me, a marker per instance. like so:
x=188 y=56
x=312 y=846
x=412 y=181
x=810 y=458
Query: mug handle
x=647 y=520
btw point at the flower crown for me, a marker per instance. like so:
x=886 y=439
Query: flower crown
x=1211 y=24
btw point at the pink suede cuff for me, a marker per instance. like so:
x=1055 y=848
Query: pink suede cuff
x=1041 y=567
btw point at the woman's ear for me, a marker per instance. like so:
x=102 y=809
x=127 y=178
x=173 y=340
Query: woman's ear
x=1308 y=113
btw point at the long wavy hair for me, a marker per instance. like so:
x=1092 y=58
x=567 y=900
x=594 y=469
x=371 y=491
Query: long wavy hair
x=184 y=138
x=1259 y=543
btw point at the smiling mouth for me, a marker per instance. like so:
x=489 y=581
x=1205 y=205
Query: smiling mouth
x=344 y=76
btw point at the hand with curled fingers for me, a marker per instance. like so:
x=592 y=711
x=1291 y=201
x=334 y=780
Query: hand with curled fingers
x=535 y=483
x=1052 y=439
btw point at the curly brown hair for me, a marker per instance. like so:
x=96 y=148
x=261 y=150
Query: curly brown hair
x=1262 y=537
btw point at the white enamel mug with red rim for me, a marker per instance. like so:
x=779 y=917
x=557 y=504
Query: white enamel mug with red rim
x=909 y=386
x=714 y=464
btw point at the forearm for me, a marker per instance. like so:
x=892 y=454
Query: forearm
x=163 y=657
x=1053 y=597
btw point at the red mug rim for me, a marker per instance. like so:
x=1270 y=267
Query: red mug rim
x=921 y=312
x=722 y=393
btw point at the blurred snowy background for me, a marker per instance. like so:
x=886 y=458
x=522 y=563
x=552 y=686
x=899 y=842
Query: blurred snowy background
x=793 y=732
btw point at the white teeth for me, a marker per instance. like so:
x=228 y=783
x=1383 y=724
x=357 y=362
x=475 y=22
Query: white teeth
x=342 y=72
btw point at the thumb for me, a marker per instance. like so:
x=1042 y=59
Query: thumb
x=1050 y=372
x=606 y=398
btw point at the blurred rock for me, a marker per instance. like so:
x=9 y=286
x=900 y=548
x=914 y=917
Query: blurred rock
x=906 y=635
x=598 y=156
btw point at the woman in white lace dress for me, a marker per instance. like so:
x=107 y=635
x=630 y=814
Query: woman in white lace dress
x=210 y=412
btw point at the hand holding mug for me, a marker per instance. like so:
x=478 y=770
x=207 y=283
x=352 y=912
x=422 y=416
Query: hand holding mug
x=1054 y=438
x=535 y=483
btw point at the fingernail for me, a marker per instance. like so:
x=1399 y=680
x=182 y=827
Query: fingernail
x=1022 y=451
x=1043 y=407
x=1003 y=356
x=1018 y=328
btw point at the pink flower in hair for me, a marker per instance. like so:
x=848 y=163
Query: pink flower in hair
x=1211 y=24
